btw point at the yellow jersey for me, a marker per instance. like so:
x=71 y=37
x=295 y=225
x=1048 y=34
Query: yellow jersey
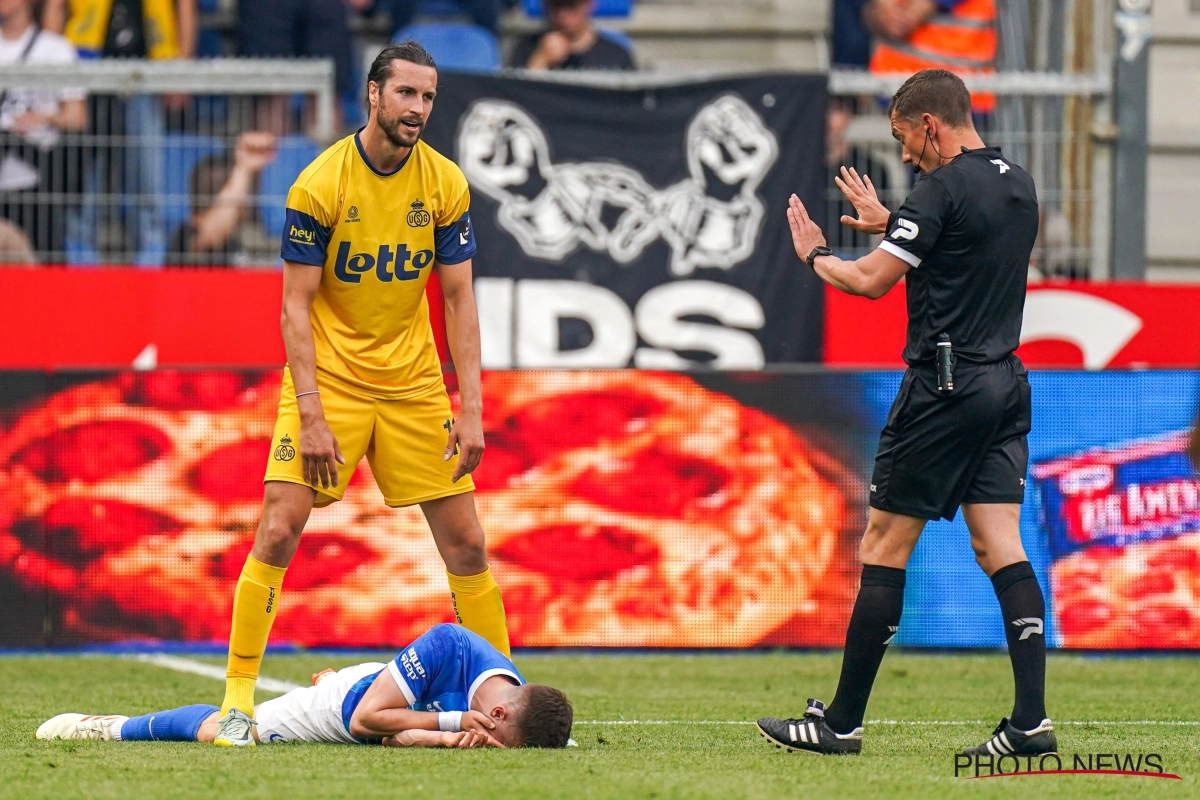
x=377 y=235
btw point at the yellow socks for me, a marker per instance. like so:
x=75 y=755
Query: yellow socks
x=254 y=604
x=479 y=607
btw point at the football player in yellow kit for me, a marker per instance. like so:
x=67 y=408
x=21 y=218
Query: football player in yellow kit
x=366 y=222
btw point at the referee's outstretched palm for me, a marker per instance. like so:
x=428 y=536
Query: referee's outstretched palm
x=872 y=214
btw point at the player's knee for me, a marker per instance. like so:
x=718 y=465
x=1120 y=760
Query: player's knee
x=874 y=543
x=278 y=530
x=277 y=539
x=467 y=556
x=882 y=544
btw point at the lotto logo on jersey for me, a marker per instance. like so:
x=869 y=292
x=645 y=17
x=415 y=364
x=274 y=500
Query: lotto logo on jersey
x=389 y=264
x=412 y=664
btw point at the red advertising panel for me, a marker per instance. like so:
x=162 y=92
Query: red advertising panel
x=114 y=318
x=117 y=318
x=1088 y=325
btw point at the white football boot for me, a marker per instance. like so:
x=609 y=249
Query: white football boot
x=81 y=726
x=236 y=729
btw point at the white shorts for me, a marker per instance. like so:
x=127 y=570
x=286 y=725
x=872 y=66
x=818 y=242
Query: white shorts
x=313 y=713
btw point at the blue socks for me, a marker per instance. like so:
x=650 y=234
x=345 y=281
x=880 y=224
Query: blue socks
x=177 y=725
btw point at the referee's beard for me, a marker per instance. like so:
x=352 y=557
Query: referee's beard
x=396 y=131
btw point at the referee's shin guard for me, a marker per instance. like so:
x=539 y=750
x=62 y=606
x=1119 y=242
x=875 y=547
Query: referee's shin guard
x=1024 y=610
x=873 y=625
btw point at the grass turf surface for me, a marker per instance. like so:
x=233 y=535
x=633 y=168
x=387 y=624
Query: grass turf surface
x=659 y=761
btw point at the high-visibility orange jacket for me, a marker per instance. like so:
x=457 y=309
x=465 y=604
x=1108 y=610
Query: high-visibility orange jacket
x=962 y=40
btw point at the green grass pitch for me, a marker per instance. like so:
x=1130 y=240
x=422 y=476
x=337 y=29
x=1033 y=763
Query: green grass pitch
x=623 y=761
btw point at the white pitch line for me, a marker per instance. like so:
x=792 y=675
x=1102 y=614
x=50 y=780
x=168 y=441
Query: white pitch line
x=921 y=722
x=272 y=685
x=209 y=670
x=661 y=722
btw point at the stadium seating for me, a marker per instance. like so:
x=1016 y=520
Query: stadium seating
x=604 y=8
x=181 y=151
x=456 y=45
x=295 y=153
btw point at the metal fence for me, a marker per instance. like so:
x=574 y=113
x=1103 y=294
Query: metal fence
x=189 y=163
x=1046 y=122
x=166 y=163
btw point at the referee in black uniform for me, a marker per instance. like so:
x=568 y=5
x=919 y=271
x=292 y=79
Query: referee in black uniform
x=955 y=435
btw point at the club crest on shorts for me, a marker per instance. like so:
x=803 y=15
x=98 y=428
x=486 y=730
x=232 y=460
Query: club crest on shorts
x=285 y=451
x=418 y=217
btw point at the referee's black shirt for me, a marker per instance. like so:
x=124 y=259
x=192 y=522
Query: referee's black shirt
x=967 y=230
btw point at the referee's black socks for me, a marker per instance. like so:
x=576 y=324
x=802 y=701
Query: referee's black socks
x=1024 y=612
x=874 y=622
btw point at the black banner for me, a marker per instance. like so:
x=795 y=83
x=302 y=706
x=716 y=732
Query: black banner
x=641 y=227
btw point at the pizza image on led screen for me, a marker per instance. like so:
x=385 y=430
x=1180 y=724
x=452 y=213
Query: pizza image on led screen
x=1142 y=596
x=622 y=508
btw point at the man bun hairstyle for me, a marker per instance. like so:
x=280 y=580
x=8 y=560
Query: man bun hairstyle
x=413 y=52
x=546 y=717
x=933 y=91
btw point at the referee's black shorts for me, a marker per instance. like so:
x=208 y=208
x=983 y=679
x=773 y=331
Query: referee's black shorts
x=938 y=451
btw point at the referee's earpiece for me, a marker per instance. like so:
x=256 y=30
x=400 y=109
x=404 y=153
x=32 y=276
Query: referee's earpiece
x=917 y=164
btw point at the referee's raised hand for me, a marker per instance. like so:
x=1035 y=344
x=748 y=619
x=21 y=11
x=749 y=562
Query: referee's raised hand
x=806 y=234
x=872 y=215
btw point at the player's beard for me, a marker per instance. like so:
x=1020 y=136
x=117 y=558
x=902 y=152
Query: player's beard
x=396 y=133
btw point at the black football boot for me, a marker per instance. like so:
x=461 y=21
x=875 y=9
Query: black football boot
x=810 y=734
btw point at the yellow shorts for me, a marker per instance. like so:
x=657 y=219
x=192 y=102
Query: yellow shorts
x=404 y=442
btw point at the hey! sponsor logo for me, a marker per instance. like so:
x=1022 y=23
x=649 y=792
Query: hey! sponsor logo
x=302 y=236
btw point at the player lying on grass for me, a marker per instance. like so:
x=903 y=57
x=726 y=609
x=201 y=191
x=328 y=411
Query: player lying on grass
x=449 y=688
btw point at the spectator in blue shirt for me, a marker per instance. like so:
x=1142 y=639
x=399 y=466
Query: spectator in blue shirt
x=851 y=41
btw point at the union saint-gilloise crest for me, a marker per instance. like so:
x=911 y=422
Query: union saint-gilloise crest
x=418 y=217
x=285 y=451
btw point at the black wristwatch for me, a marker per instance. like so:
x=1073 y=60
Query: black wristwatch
x=816 y=253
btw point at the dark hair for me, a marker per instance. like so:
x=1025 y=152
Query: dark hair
x=381 y=67
x=933 y=91
x=207 y=179
x=546 y=717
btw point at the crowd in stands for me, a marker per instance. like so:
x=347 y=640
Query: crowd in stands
x=218 y=220
x=898 y=36
x=59 y=199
